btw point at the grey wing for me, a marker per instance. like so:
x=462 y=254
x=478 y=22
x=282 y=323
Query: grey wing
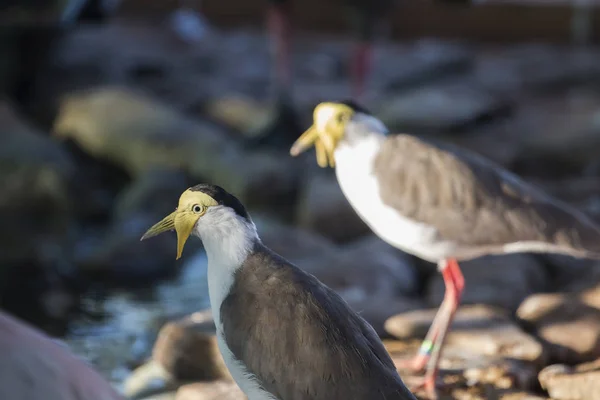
x=305 y=343
x=474 y=202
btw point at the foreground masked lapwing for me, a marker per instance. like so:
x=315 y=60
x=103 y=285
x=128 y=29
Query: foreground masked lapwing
x=440 y=203
x=282 y=333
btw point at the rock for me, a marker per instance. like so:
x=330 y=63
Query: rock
x=35 y=200
x=502 y=281
x=322 y=208
x=117 y=254
x=569 y=273
x=562 y=129
x=440 y=107
x=570 y=327
x=154 y=193
x=477 y=331
x=150 y=379
x=289 y=241
x=572 y=383
x=188 y=349
x=238 y=112
x=260 y=179
x=210 y=391
x=403 y=67
x=135 y=131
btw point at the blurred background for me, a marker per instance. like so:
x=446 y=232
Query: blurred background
x=110 y=109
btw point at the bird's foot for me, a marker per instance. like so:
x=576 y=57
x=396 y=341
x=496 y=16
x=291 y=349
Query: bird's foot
x=414 y=364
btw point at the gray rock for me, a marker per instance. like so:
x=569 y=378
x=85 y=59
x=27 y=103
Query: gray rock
x=154 y=193
x=502 y=281
x=322 y=208
x=572 y=383
x=440 y=107
x=35 y=200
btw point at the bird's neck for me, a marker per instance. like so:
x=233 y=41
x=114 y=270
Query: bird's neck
x=227 y=244
x=360 y=152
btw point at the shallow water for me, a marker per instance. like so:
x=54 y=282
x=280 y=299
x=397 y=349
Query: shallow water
x=123 y=338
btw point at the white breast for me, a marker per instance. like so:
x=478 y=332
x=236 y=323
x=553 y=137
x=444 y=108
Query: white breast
x=354 y=166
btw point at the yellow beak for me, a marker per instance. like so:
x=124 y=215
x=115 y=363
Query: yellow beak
x=307 y=140
x=182 y=222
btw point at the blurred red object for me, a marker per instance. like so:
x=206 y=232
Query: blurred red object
x=33 y=366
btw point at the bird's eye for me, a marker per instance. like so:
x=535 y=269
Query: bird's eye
x=341 y=118
x=197 y=208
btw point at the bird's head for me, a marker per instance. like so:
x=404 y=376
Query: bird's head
x=330 y=127
x=203 y=210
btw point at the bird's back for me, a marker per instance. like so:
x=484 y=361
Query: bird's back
x=473 y=202
x=300 y=339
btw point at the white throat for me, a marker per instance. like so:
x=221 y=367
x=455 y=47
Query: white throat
x=228 y=239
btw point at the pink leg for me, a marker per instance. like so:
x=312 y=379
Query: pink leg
x=279 y=27
x=430 y=352
x=361 y=67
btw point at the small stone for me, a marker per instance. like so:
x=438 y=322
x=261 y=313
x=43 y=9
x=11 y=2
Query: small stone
x=490 y=279
x=476 y=331
x=188 y=349
x=572 y=383
x=218 y=390
x=148 y=380
x=323 y=208
x=569 y=326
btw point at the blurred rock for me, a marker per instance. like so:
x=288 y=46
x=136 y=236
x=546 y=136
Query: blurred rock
x=440 y=107
x=422 y=61
x=291 y=242
x=570 y=327
x=118 y=255
x=263 y=179
x=502 y=281
x=36 y=175
x=134 y=131
x=476 y=331
x=154 y=193
x=218 y=390
x=572 y=383
x=323 y=208
x=188 y=349
x=238 y=112
x=563 y=129
x=569 y=272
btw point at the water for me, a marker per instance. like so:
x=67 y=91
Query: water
x=124 y=337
